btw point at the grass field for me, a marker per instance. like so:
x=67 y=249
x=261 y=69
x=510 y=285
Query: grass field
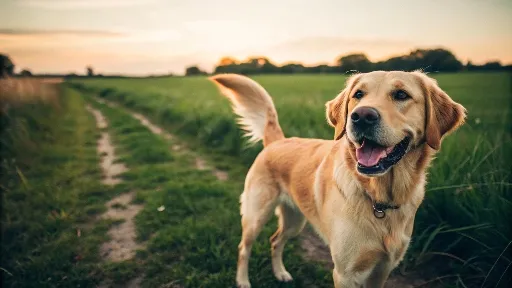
x=52 y=200
x=463 y=225
x=50 y=190
x=52 y=195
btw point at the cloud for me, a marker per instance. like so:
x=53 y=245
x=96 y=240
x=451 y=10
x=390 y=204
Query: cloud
x=128 y=36
x=151 y=36
x=207 y=26
x=84 y=38
x=13 y=39
x=83 y=4
x=60 y=32
x=26 y=38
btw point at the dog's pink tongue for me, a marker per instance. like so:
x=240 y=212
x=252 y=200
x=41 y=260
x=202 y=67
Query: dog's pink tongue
x=369 y=155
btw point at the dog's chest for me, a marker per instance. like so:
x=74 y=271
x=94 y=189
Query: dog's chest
x=395 y=244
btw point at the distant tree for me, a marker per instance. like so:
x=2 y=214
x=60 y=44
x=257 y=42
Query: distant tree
x=90 y=71
x=493 y=65
x=489 y=66
x=469 y=66
x=227 y=65
x=194 y=70
x=25 y=73
x=292 y=68
x=257 y=61
x=436 y=60
x=6 y=66
x=227 y=61
x=354 y=62
x=253 y=65
x=263 y=65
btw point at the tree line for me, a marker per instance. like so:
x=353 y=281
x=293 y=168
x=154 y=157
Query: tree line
x=428 y=60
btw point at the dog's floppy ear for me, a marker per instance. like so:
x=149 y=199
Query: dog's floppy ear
x=443 y=115
x=336 y=113
x=336 y=110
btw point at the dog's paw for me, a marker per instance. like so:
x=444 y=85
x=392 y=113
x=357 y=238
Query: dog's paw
x=283 y=276
x=243 y=284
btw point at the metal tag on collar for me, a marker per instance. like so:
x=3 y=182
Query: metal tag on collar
x=378 y=211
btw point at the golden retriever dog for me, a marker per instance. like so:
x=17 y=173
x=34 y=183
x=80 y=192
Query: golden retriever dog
x=359 y=191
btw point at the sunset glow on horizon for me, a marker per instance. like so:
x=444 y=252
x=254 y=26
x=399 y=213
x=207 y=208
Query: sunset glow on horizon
x=141 y=37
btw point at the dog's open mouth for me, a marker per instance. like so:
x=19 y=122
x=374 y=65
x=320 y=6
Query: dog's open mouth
x=373 y=158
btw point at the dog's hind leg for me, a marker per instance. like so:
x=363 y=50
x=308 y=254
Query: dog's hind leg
x=291 y=223
x=258 y=202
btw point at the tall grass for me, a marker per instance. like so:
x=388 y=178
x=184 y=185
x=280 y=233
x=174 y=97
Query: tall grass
x=462 y=232
x=15 y=92
x=50 y=191
x=41 y=97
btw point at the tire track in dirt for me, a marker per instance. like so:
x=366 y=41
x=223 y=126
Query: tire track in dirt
x=107 y=151
x=122 y=244
x=200 y=163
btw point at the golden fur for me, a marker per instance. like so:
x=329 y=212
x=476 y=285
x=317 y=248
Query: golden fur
x=317 y=180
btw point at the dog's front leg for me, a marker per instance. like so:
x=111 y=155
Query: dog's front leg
x=353 y=263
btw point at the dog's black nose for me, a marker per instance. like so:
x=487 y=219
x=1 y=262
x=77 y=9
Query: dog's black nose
x=364 y=117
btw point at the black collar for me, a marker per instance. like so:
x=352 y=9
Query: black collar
x=379 y=208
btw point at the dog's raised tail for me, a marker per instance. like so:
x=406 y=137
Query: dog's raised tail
x=250 y=101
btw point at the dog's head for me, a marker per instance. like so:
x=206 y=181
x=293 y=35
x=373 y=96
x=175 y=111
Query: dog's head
x=385 y=114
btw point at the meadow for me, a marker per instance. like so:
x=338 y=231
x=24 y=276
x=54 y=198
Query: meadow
x=463 y=225
x=52 y=195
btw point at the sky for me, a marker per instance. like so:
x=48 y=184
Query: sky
x=141 y=37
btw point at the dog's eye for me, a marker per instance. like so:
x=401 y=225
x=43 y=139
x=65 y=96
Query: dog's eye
x=400 y=95
x=359 y=94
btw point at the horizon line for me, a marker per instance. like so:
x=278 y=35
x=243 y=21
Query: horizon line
x=244 y=59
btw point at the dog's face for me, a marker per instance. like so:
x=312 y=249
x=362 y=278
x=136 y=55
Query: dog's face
x=384 y=114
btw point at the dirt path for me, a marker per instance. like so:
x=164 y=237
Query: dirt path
x=105 y=148
x=200 y=163
x=122 y=244
x=153 y=128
